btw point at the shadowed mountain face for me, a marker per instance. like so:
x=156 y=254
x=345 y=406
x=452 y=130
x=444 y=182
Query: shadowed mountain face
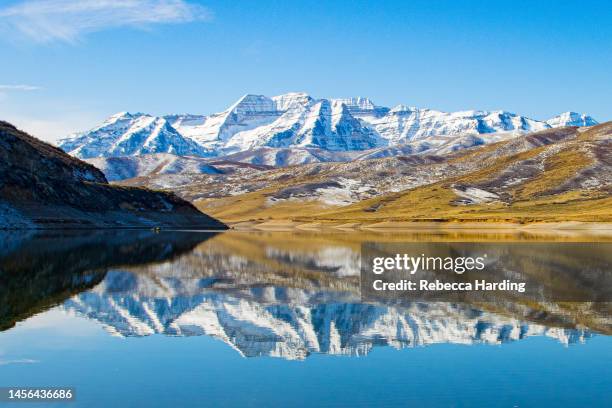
x=43 y=187
x=276 y=294
x=40 y=271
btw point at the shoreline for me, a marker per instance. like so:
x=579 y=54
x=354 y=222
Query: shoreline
x=557 y=229
x=423 y=225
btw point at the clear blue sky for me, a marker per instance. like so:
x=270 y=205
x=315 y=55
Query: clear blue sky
x=536 y=58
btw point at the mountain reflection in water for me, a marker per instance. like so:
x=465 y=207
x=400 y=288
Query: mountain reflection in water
x=282 y=294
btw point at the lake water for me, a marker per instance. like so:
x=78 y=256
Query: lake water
x=193 y=319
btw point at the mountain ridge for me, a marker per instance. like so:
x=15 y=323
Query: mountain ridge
x=296 y=120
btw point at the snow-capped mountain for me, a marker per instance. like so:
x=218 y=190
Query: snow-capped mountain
x=571 y=119
x=296 y=121
x=289 y=120
x=249 y=112
x=405 y=124
x=126 y=134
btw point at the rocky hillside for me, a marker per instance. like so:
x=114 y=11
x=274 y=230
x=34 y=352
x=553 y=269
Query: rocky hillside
x=43 y=187
x=160 y=164
x=558 y=174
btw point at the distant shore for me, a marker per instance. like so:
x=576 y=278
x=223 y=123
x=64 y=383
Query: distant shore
x=570 y=228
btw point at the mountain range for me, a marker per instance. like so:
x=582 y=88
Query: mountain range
x=296 y=158
x=296 y=128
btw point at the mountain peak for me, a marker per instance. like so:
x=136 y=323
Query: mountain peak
x=403 y=108
x=292 y=95
x=123 y=114
x=359 y=102
x=252 y=103
x=570 y=118
x=126 y=134
x=292 y=100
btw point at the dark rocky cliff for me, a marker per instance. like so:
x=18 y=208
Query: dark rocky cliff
x=43 y=187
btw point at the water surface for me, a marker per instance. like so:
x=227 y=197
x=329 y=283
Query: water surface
x=277 y=319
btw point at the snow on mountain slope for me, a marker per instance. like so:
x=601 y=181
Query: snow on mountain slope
x=434 y=145
x=157 y=165
x=289 y=156
x=190 y=126
x=296 y=120
x=308 y=123
x=404 y=124
x=363 y=108
x=571 y=119
x=120 y=168
x=292 y=100
x=249 y=112
x=166 y=171
x=126 y=134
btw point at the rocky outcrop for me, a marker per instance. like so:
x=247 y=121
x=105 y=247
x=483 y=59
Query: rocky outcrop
x=42 y=187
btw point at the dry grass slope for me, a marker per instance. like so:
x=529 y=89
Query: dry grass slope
x=551 y=176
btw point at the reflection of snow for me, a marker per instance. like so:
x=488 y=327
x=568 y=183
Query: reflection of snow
x=290 y=323
x=341 y=261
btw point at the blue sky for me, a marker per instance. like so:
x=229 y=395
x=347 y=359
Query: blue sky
x=69 y=64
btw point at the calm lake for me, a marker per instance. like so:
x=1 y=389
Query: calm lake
x=139 y=318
